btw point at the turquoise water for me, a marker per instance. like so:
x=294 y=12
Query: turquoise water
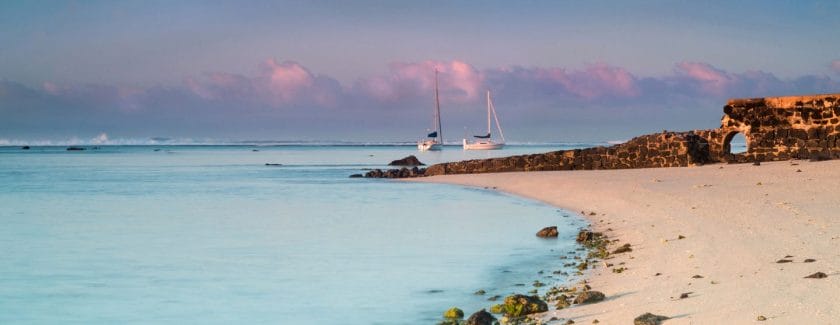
x=209 y=234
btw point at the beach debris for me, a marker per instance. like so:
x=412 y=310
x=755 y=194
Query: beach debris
x=818 y=275
x=407 y=161
x=479 y=292
x=623 y=249
x=784 y=261
x=761 y=318
x=481 y=317
x=589 y=297
x=809 y=260
x=697 y=276
x=649 y=319
x=548 y=232
x=453 y=313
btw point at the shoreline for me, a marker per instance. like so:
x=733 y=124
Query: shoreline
x=737 y=220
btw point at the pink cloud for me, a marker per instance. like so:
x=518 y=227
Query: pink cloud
x=458 y=81
x=712 y=80
x=835 y=65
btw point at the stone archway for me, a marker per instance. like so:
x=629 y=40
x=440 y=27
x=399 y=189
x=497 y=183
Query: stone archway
x=726 y=150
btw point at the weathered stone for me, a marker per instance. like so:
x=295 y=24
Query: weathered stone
x=407 y=161
x=548 y=232
x=818 y=275
x=649 y=319
x=623 y=249
x=588 y=297
x=481 y=317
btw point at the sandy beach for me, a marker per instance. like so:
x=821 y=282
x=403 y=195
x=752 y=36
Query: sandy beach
x=737 y=220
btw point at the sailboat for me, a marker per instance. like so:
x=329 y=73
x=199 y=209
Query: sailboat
x=484 y=142
x=434 y=140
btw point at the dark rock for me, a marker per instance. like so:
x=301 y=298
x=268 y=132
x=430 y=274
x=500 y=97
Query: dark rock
x=697 y=276
x=357 y=176
x=407 y=161
x=547 y=232
x=685 y=295
x=75 y=148
x=784 y=261
x=761 y=318
x=818 y=275
x=24 y=148
x=809 y=260
x=589 y=297
x=481 y=317
x=623 y=249
x=270 y=164
x=649 y=319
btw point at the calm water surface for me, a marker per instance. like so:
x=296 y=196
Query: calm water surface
x=209 y=234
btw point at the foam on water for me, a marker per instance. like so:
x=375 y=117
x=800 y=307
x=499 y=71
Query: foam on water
x=212 y=235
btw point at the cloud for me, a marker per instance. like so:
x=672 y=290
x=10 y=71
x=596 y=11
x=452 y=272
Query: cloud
x=285 y=97
x=459 y=82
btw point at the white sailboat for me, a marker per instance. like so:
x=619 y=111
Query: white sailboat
x=484 y=142
x=434 y=139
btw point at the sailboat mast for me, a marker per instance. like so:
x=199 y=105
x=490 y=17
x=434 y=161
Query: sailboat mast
x=493 y=107
x=488 y=112
x=437 y=110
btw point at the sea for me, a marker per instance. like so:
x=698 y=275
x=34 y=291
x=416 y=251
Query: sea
x=210 y=234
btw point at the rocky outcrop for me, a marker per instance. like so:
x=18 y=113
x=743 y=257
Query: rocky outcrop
x=589 y=297
x=775 y=128
x=521 y=305
x=396 y=173
x=407 y=161
x=548 y=232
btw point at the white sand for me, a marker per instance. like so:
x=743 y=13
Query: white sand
x=738 y=220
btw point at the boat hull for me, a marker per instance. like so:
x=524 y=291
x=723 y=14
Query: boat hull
x=429 y=145
x=483 y=145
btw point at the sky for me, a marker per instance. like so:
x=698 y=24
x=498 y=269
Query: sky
x=364 y=70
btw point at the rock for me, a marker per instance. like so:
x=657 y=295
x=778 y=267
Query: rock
x=24 y=148
x=595 y=321
x=649 y=319
x=784 y=261
x=480 y=292
x=569 y=322
x=623 y=249
x=562 y=302
x=756 y=163
x=809 y=260
x=357 y=176
x=454 y=313
x=547 y=232
x=818 y=275
x=520 y=305
x=271 y=164
x=698 y=276
x=481 y=317
x=680 y=237
x=589 y=297
x=75 y=148
x=684 y=295
x=407 y=161
x=761 y=318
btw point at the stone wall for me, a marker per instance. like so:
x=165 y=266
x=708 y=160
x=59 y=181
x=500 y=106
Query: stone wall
x=776 y=128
